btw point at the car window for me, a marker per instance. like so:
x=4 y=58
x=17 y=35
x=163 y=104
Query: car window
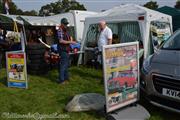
x=173 y=43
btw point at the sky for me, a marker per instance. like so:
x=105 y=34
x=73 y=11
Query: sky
x=91 y=5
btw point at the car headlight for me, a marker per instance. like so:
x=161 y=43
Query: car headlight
x=147 y=65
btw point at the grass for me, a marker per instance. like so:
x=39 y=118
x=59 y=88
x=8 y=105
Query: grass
x=45 y=96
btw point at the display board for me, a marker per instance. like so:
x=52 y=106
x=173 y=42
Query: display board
x=121 y=75
x=16 y=69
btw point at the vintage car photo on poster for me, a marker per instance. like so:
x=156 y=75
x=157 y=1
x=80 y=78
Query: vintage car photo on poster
x=120 y=74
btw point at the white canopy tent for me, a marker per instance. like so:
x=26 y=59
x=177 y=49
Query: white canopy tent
x=124 y=13
x=76 y=19
x=49 y=20
x=55 y=20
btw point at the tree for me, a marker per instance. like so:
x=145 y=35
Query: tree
x=60 y=6
x=30 y=13
x=1 y=6
x=151 y=5
x=177 y=6
x=19 y=12
x=13 y=9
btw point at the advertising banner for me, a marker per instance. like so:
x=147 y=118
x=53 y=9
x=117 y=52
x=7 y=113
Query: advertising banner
x=121 y=75
x=16 y=69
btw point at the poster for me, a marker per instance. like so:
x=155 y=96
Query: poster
x=121 y=75
x=16 y=69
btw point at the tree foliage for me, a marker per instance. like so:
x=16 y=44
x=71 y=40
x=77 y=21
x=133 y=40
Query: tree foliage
x=30 y=13
x=177 y=6
x=1 y=6
x=14 y=10
x=151 y=5
x=60 y=6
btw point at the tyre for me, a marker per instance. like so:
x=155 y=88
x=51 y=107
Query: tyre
x=36 y=72
x=35 y=57
x=40 y=67
x=36 y=61
x=35 y=46
x=36 y=52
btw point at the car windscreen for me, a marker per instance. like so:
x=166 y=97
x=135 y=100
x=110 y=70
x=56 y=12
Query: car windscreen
x=173 y=43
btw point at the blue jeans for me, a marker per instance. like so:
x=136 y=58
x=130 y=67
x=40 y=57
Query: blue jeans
x=63 y=66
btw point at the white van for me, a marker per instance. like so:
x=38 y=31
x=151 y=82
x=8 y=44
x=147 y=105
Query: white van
x=128 y=23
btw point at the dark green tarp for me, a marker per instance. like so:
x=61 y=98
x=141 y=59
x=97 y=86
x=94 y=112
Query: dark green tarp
x=174 y=13
x=7 y=21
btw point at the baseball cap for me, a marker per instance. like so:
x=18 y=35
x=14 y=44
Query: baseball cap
x=64 y=21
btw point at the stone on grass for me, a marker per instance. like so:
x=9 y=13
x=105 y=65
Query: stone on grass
x=86 y=102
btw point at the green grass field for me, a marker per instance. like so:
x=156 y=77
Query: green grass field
x=45 y=96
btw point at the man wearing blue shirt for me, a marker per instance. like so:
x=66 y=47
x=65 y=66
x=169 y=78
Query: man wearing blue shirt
x=64 y=41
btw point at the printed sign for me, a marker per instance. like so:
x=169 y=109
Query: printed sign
x=121 y=75
x=16 y=69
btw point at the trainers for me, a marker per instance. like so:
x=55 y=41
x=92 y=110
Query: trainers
x=66 y=81
x=59 y=82
x=62 y=83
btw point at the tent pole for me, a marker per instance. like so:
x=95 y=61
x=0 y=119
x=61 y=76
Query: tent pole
x=23 y=40
x=24 y=32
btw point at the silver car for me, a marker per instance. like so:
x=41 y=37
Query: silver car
x=160 y=78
